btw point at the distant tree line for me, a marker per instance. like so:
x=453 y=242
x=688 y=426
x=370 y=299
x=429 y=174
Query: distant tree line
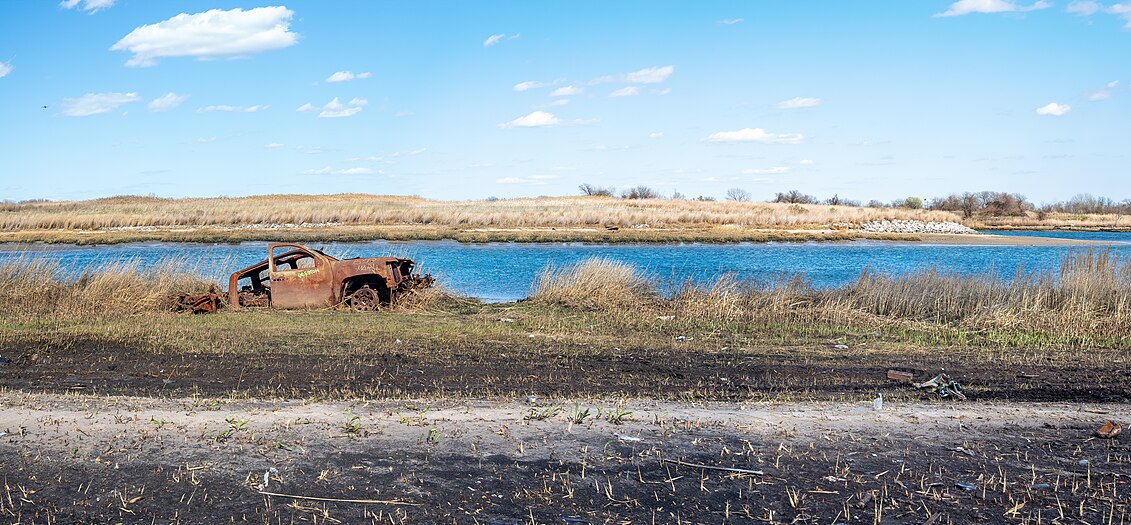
x=969 y=204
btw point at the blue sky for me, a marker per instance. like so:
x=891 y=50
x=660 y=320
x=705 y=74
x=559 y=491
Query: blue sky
x=467 y=100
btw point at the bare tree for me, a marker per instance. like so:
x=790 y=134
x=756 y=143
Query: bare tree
x=795 y=197
x=596 y=191
x=738 y=195
x=640 y=192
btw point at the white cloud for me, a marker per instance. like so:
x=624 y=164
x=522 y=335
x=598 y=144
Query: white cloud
x=344 y=171
x=651 y=75
x=95 y=103
x=1088 y=8
x=537 y=119
x=1053 y=109
x=1104 y=93
x=5 y=68
x=342 y=76
x=627 y=91
x=533 y=84
x=211 y=34
x=965 y=7
x=805 y=162
x=90 y=6
x=233 y=109
x=558 y=102
x=206 y=140
x=273 y=145
x=566 y=91
x=494 y=39
x=335 y=108
x=648 y=75
x=1083 y=8
x=730 y=21
x=756 y=135
x=166 y=102
x=798 y=102
x=777 y=170
x=656 y=135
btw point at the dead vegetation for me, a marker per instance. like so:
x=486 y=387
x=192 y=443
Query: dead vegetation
x=1087 y=302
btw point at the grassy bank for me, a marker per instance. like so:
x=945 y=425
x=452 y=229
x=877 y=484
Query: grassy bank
x=598 y=329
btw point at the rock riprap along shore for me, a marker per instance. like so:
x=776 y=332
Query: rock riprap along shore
x=914 y=226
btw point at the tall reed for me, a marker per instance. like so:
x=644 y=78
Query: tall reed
x=30 y=288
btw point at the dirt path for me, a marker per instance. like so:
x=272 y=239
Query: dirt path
x=80 y=458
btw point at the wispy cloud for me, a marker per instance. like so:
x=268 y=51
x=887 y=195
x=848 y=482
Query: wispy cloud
x=335 y=108
x=211 y=34
x=534 y=84
x=730 y=21
x=566 y=91
x=627 y=91
x=798 y=102
x=90 y=6
x=495 y=39
x=166 y=102
x=1053 y=109
x=5 y=68
x=756 y=135
x=648 y=75
x=1104 y=93
x=342 y=76
x=273 y=145
x=233 y=109
x=537 y=119
x=95 y=103
x=1088 y=8
x=965 y=7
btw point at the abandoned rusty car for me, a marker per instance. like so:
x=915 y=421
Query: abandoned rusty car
x=294 y=277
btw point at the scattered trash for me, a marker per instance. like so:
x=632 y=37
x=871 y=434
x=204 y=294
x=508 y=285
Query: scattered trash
x=665 y=317
x=612 y=228
x=640 y=226
x=681 y=338
x=878 y=403
x=1083 y=463
x=506 y=320
x=965 y=486
x=901 y=376
x=944 y=386
x=267 y=478
x=629 y=439
x=841 y=347
x=1041 y=486
x=1109 y=430
x=4 y=361
x=530 y=400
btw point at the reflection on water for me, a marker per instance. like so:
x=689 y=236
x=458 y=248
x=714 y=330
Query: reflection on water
x=505 y=271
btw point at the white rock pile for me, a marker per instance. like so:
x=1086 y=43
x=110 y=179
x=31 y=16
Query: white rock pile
x=914 y=226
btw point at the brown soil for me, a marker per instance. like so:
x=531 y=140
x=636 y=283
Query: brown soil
x=87 y=459
x=774 y=373
x=452 y=439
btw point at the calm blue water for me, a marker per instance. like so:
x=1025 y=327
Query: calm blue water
x=505 y=271
x=1122 y=237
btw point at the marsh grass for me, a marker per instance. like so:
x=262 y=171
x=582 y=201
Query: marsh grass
x=132 y=212
x=30 y=288
x=1088 y=301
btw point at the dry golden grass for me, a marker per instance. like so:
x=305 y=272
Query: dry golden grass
x=1089 y=300
x=373 y=210
x=1056 y=220
x=599 y=284
x=30 y=289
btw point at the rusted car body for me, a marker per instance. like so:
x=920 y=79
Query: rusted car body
x=294 y=277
